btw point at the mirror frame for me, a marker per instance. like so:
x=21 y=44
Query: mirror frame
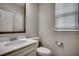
x=24 y=24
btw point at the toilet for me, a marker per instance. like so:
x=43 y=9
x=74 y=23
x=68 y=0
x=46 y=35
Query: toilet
x=42 y=51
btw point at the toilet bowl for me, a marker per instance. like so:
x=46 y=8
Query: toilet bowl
x=42 y=51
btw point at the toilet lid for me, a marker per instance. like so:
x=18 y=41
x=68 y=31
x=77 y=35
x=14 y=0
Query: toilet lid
x=43 y=50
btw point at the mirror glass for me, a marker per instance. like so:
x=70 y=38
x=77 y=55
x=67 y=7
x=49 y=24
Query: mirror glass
x=12 y=17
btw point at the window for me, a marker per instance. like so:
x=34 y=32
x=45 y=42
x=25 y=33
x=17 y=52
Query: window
x=66 y=17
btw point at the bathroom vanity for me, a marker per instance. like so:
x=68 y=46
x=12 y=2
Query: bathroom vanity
x=20 y=47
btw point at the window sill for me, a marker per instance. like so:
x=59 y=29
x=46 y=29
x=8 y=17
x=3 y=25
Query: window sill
x=66 y=29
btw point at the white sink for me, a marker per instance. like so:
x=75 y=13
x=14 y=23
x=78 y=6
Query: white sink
x=16 y=42
x=2 y=44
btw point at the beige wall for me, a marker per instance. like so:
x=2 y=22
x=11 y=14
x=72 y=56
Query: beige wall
x=49 y=36
x=32 y=20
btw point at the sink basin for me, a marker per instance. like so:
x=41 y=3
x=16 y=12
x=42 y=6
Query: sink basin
x=2 y=44
x=16 y=42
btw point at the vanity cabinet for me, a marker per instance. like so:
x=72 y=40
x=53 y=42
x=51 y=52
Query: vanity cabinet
x=25 y=51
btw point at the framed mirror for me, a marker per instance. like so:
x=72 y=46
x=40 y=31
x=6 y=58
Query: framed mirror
x=12 y=17
x=66 y=17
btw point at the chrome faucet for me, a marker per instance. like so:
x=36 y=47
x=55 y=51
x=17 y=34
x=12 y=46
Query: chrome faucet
x=12 y=39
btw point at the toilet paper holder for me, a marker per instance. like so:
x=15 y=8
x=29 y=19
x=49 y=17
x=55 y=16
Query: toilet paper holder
x=60 y=44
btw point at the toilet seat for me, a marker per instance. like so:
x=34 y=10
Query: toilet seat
x=42 y=51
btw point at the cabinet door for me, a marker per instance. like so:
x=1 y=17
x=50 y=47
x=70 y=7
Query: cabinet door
x=32 y=53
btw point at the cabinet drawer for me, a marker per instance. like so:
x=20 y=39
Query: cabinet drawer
x=26 y=52
x=23 y=51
